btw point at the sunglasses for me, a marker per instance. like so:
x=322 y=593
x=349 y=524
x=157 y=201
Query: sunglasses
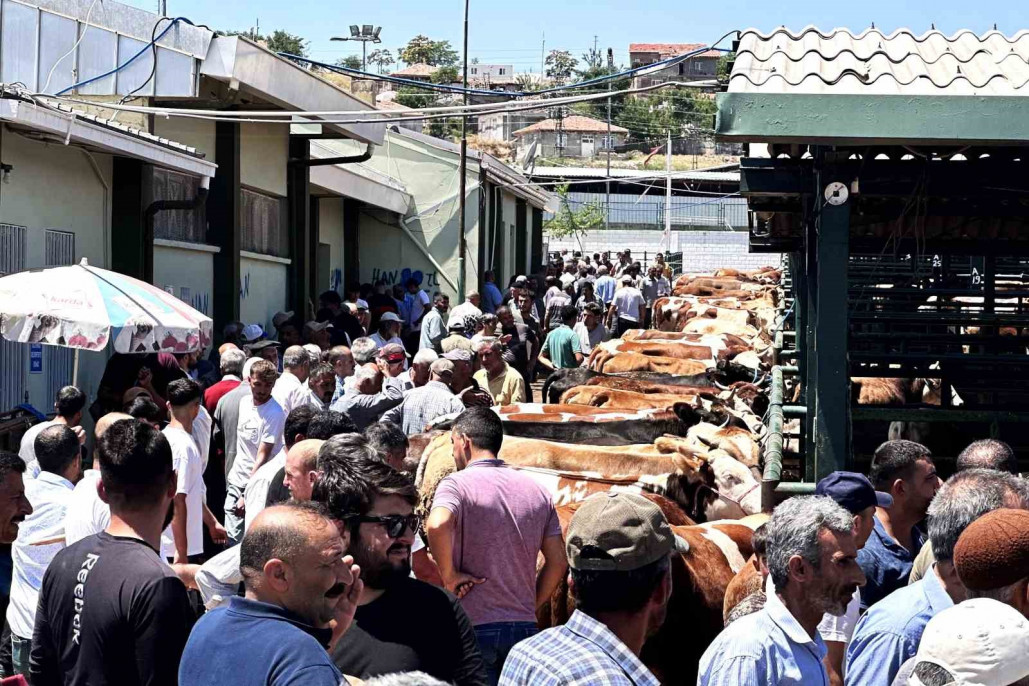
x=395 y=525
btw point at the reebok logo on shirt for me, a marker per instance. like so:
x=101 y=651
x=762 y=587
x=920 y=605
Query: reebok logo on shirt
x=79 y=590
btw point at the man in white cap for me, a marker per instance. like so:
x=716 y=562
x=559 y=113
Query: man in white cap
x=979 y=641
x=389 y=330
x=628 y=306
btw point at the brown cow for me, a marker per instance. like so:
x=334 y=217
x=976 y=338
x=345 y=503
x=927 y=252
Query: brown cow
x=639 y=386
x=614 y=399
x=634 y=362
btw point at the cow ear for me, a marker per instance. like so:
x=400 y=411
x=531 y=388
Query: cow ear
x=687 y=464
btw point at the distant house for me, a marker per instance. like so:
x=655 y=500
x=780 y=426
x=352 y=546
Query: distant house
x=501 y=126
x=698 y=68
x=496 y=71
x=574 y=136
x=416 y=72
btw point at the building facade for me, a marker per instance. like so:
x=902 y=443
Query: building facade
x=574 y=136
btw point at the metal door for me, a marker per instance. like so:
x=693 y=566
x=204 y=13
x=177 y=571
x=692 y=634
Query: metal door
x=13 y=356
x=58 y=362
x=587 y=146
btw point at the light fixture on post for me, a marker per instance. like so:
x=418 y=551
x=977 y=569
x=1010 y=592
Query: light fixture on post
x=365 y=34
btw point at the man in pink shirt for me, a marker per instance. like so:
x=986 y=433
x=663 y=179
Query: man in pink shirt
x=487 y=525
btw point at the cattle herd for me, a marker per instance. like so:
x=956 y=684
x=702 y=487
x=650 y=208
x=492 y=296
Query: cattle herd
x=673 y=413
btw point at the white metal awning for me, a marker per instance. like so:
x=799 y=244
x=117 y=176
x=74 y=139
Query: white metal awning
x=98 y=134
x=357 y=181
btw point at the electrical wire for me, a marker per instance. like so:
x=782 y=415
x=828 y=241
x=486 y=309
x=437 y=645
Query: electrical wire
x=73 y=47
x=132 y=59
x=153 y=67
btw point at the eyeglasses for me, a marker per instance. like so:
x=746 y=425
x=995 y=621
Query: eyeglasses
x=395 y=525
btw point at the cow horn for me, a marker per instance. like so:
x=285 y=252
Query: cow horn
x=719 y=386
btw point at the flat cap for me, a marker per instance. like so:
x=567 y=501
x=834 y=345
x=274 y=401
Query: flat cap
x=993 y=551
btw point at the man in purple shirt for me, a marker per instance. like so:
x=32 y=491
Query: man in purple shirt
x=487 y=525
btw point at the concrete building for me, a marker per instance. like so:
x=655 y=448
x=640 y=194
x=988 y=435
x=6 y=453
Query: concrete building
x=698 y=68
x=574 y=136
x=501 y=126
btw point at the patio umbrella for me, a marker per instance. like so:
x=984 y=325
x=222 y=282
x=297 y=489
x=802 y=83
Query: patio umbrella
x=85 y=308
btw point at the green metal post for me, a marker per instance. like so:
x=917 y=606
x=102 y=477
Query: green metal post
x=830 y=329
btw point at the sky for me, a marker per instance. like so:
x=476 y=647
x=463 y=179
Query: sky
x=514 y=32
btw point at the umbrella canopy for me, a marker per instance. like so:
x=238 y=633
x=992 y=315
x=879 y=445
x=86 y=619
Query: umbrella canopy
x=84 y=307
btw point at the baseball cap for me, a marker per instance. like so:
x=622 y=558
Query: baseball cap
x=317 y=326
x=853 y=491
x=456 y=325
x=458 y=355
x=442 y=367
x=252 y=332
x=392 y=353
x=521 y=280
x=389 y=317
x=626 y=278
x=362 y=304
x=993 y=551
x=981 y=642
x=261 y=345
x=281 y=318
x=619 y=532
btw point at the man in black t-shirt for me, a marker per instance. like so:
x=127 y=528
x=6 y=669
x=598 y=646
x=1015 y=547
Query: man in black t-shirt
x=110 y=610
x=401 y=624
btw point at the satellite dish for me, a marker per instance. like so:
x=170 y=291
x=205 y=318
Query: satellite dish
x=530 y=155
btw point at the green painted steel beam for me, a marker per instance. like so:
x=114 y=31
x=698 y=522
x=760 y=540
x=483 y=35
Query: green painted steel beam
x=873 y=119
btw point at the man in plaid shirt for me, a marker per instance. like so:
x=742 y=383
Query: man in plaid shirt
x=619 y=547
x=426 y=403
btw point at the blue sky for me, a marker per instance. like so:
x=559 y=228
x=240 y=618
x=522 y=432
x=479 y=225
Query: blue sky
x=511 y=32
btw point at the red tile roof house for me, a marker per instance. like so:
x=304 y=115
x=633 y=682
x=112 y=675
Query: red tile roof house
x=576 y=136
x=701 y=67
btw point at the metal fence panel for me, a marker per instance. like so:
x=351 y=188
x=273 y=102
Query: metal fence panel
x=13 y=356
x=58 y=363
x=18 y=44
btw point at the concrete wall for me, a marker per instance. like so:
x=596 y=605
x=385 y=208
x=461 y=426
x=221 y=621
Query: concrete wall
x=186 y=272
x=702 y=250
x=263 y=289
x=195 y=132
x=431 y=177
x=330 y=229
x=55 y=187
x=264 y=152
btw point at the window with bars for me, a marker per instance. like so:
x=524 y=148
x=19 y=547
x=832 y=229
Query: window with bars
x=178 y=225
x=13 y=356
x=562 y=140
x=263 y=224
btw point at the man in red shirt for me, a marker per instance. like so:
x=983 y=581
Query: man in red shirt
x=231 y=368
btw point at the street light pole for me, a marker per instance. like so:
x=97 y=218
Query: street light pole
x=364 y=34
x=463 y=170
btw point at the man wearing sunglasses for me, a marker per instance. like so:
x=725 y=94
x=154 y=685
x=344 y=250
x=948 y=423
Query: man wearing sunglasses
x=401 y=624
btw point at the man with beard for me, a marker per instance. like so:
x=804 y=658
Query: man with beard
x=812 y=564
x=301 y=592
x=402 y=624
x=619 y=551
x=110 y=610
x=320 y=386
x=905 y=470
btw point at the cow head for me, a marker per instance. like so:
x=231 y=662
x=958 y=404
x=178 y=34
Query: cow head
x=692 y=486
x=736 y=484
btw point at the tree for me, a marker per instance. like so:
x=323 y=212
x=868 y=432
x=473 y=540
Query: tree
x=427 y=51
x=283 y=41
x=527 y=83
x=722 y=68
x=560 y=64
x=445 y=75
x=382 y=58
x=578 y=222
x=410 y=96
x=350 y=62
x=595 y=66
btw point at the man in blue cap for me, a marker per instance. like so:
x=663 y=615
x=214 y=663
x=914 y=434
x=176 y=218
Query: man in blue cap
x=855 y=493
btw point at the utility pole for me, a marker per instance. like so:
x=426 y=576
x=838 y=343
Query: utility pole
x=668 y=193
x=463 y=169
x=607 y=180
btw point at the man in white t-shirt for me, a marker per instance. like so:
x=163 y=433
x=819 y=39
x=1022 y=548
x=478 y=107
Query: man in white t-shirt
x=420 y=305
x=68 y=405
x=258 y=438
x=628 y=307
x=184 y=537
x=289 y=390
x=256 y=493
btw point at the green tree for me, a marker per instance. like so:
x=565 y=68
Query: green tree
x=410 y=96
x=595 y=66
x=574 y=222
x=350 y=62
x=446 y=74
x=381 y=58
x=427 y=51
x=722 y=68
x=560 y=64
x=283 y=41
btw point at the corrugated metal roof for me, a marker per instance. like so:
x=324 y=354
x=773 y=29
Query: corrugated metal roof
x=601 y=172
x=871 y=62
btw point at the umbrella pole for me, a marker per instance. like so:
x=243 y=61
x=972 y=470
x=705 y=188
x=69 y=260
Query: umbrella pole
x=75 y=369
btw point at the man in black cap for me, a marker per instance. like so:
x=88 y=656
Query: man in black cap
x=619 y=548
x=857 y=495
